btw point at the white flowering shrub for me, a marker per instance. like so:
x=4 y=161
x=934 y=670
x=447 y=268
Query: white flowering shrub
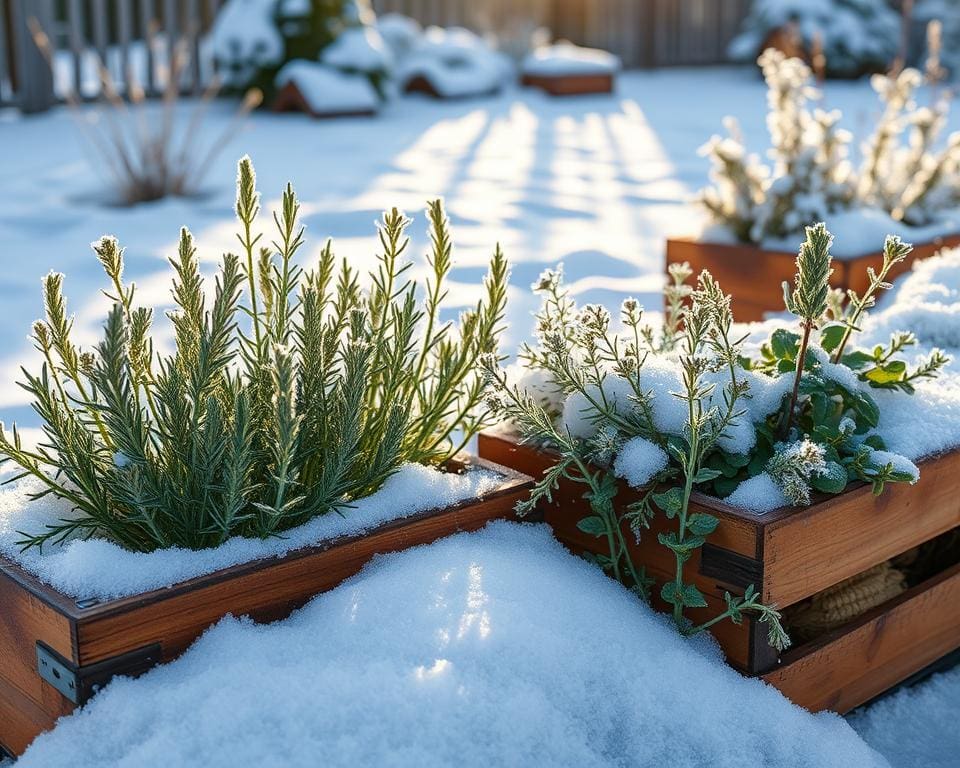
x=906 y=167
x=854 y=36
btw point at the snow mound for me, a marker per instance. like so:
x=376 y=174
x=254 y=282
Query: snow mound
x=454 y=63
x=565 y=58
x=924 y=719
x=328 y=91
x=358 y=49
x=493 y=648
x=245 y=39
x=927 y=302
x=399 y=32
x=100 y=569
x=758 y=494
x=639 y=460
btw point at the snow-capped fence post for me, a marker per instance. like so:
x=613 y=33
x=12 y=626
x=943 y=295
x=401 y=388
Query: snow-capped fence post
x=31 y=75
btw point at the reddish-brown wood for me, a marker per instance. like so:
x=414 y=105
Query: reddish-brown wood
x=291 y=99
x=753 y=275
x=570 y=85
x=265 y=590
x=876 y=651
x=788 y=554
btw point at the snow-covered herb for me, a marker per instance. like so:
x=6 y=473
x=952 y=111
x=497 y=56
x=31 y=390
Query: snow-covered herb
x=253 y=428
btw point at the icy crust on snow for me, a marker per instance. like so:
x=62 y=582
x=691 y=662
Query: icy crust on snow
x=329 y=91
x=358 y=49
x=565 y=58
x=96 y=568
x=924 y=720
x=857 y=232
x=456 y=63
x=491 y=648
x=245 y=37
x=927 y=302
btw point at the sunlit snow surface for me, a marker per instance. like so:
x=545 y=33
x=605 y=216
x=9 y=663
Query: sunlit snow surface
x=490 y=649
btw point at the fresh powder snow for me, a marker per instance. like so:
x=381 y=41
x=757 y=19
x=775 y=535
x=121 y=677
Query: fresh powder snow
x=96 y=568
x=327 y=90
x=492 y=648
x=565 y=58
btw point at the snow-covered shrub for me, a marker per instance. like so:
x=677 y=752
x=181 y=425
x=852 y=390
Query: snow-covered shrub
x=689 y=406
x=906 y=168
x=322 y=394
x=254 y=39
x=854 y=36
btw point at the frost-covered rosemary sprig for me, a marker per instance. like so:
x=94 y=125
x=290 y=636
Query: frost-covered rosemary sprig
x=808 y=300
x=288 y=395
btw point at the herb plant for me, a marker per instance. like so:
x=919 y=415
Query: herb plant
x=693 y=393
x=288 y=395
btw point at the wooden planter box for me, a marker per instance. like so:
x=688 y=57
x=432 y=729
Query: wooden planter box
x=290 y=99
x=570 y=85
x=753 y=275
x=790 y=555
x=55 y=651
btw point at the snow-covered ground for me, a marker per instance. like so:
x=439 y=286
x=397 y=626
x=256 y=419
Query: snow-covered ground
x=595 y=182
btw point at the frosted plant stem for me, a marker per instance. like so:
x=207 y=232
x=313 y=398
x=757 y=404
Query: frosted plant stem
x=801 y=357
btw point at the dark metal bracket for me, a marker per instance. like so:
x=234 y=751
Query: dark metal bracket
x=78 y=684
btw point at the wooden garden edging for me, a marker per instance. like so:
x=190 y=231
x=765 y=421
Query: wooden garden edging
x=753 y=275
x=789 y=555
x=56 y=650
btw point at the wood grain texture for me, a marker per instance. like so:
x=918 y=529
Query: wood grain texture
x=569 y=85
x=265 y=590
x=876 y=651
x=753 y=275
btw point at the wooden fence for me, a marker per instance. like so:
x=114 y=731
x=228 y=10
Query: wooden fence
x=644 y=33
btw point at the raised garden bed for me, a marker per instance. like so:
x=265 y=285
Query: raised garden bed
x=57 y=650
x=752 y=275
x=291 y=99
x=790 y=555
x=570 y=84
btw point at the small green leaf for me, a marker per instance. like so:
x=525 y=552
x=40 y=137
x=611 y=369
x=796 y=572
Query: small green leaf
x=593 y=525
x=857 y=360
x=702 y=524
x=834 y=480
x=669 y=593
x=784 y=344
x=692 y=598
x=669 y=501
x=705 y=475
x=831 y=335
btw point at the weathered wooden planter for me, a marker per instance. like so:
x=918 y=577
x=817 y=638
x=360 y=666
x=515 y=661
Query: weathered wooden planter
x=570 y=85
x=55 y=651
x=791 y=555
x=753 y=275
x=291 y=99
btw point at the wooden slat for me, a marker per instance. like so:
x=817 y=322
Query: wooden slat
x=809 y=550
x=77 y=42
x=124 y=38
x=876 y=651
x=148 y=17
x=6 y=86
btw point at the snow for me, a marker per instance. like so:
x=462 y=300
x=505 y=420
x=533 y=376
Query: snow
x=639 y=460
x=565 y=58
x=456 y=62
x=399 y=32
x=100 y=569
x=898 y=462
x=916 y=726
x=244 y=36
x=329 y=91
x=926 y=301
x=358 y=49
x=758 y=494
x=492 y=648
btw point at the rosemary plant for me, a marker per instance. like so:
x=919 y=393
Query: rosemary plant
x=288 y=395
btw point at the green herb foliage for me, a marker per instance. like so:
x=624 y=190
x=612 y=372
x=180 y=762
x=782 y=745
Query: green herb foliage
x=287 y=395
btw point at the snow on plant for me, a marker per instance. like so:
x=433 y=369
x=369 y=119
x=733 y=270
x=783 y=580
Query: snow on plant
x=253 y=430
x=253 y=39
x=683 y=408
x=855 y=36
x=907 y=167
